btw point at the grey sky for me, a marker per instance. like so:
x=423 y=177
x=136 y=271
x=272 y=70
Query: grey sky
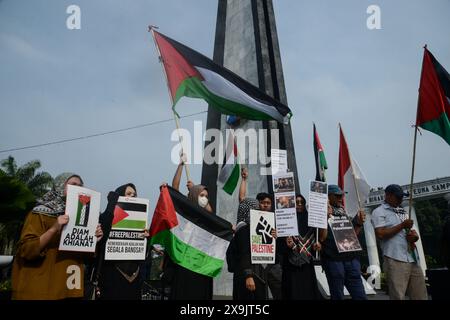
x=57 y=83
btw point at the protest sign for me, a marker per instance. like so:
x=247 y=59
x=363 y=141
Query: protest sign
x=344 y=234
x=83 y=209
x=318 y=205
x=262 y=244
x=126 y=240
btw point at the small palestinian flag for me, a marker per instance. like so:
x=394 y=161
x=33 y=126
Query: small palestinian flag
x=319 y=154
x=230 y=171
x=192 y=237
x=191 y=74
x=433 y=109
x=129 y=214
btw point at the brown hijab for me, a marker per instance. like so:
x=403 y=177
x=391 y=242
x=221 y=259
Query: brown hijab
x=195 y=191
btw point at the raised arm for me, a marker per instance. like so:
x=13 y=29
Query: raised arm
x=177 y=177
x=243 y=187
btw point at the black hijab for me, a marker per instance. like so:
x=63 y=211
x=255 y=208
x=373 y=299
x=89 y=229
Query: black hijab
x=121 y=190
x=302 y=217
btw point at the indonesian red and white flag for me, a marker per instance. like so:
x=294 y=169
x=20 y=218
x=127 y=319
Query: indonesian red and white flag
x=347 y=168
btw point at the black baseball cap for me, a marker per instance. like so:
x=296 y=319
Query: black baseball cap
x=396 y=190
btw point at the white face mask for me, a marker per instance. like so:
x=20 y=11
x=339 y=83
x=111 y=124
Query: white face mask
x=202 y=201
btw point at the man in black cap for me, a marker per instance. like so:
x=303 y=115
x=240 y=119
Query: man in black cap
x=341 y=268
x=394 y=229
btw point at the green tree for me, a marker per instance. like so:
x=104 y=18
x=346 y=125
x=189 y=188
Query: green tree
x=19 y=187
x=38 y=182
x=15 y=201
x=430 y=218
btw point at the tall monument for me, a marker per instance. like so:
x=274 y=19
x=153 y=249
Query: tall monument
x=246 y=43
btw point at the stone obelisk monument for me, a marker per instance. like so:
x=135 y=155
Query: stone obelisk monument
x=246 y=43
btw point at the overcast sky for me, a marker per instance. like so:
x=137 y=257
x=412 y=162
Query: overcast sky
x=57 y=83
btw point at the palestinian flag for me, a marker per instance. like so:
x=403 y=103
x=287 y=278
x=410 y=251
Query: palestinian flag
x=192 y=237
x=346 y=181
x=321 y=162
x=230 y=171
x=433 y=109
x=130 y=214
x=191 y=74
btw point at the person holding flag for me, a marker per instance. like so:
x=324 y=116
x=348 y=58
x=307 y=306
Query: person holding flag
x=394 y=229
x=195 y=242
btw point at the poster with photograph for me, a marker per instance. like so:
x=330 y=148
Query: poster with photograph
x=126 y=240
x=344 y=234
x=283 y=182
x=83 y=209
x=318 y=205
x=262 y=244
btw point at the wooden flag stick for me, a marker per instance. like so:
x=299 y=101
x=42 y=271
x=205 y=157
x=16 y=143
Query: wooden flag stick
x=175 y=116
x=412 y=172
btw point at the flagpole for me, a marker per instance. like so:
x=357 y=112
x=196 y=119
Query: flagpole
x=353 y=170
x=414 y=150
x=412 y=171
x=317 y=241
x=175 y=116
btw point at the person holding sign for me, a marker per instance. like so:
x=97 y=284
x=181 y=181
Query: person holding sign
x=249 y=280
x=299 y=279
x=341 y=268
x=40 y=270
x=119 y=279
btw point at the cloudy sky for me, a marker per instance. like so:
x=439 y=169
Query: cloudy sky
x=57 y=84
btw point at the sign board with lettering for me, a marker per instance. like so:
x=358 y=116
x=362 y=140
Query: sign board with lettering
x=262 y=244
x=126 y=240
x=344 y=234
x=426 y=189
x=318 y=204
x=83 y=209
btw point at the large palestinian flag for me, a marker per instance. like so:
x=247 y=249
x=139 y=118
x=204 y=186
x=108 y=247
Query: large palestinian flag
x=193 y=238
x=433 y=109
x=191 y=74
x=351 y=179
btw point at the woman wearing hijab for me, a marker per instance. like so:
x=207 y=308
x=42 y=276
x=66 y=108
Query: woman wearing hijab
x=118 y=279
x=299 y=278
x=40 y=270
x=250 y=280
x=185 y=284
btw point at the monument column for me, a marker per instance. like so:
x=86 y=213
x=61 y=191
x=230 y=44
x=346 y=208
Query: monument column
x=246 y=43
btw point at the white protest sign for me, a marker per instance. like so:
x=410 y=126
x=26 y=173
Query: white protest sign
x=83 y=209
x=279 y=161
x=318 y=205
x=262 y=244
x=126 y=240
x=286 y=214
